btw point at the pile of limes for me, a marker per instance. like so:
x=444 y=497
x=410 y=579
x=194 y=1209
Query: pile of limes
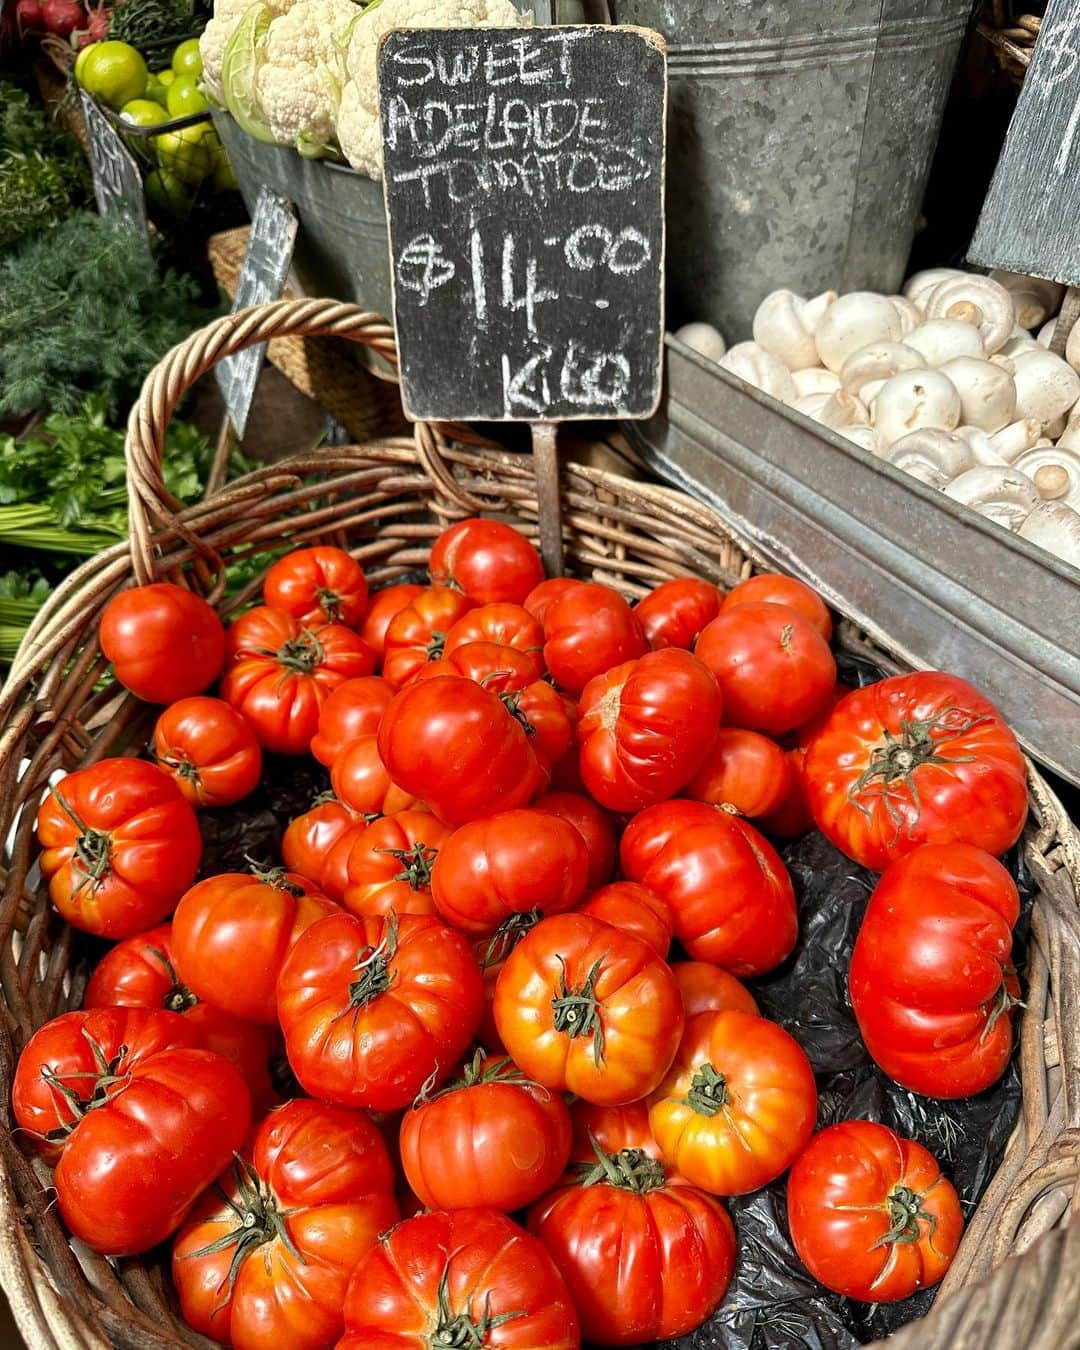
x=116 y=74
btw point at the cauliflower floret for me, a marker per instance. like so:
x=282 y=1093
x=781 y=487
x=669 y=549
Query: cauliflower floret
x=358 y=129
x=216 y=34
x=301 y=72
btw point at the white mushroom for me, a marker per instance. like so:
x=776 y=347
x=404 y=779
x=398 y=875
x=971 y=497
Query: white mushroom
x=815 y=380
x=834 y=410
x=1046 y=386
x=863 y=436
x=1011 y=441
x=866 y=370
x=1034 y=298
x=1055 y=473
x=760 y=368
x=1045 y=335
x=852 y=322
x=1070 y=437
x=704 y=338
x=913 y=399
x=1020 y=341
x=975 y=300
x=910 y=314
x=918 y=287
x=939 y=340
x=1072 y=346
x=932 y=456
x=1056 y=528
x=785 y=323
x=1001 y=495
x=986 y=389
x=982 y=445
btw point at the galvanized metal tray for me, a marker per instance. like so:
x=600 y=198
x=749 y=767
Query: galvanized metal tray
x=928 y=579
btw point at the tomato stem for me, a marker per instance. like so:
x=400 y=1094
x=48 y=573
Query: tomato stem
x=577 y=1011
x=476 y=1072
x=708 y=1093
x=93 y=847
x=179 y=998
x=1003 y=1001
x=905 y=1208
x=512 y=703
x=508 y=934
x=299 y=655
x=273 y=876
x=631 y=1169
x=331 y=603
x=373 y=965
x=105 y=1076
x=416 y=862
x=436 y=646
x=462 y=1331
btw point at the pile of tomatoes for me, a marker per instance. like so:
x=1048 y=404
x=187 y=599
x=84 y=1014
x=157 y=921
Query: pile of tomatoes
x=503 y=958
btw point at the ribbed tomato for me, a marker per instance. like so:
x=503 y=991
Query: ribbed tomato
x=382 y=608
x=594 y=825
x=547 y=718
x=360 y=781
x=309 y=837
x=318 y=585
x=675 y=612
x=771 y=588
x=744 y=771
x=587 y=630
x=417 y=633
x=390 y=865
x=353 y=709
x=334 y=873
x=706 y=988
x=634 y=909
x=542 y=597
x=500 y=669
x=502 y=624
x=488 y=560
x=208 y=750
x=612 y=1128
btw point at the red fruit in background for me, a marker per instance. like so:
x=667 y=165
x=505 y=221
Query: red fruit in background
x=360 y=780
x=542 y=597
x=774 y=589
x=706 y=988
x=547 y=718
x=745 y=771
x=497 y=668
x=613 y=1128
x=63 y=17
x=29 y=15
x=389 y=866
x=594 y=825
x=354 y=708
x=309 y=837
x=164 y=642
x=633 y=909
x=675 y=612
x=507 y=626
x=317 y=586
x=587 y=631
x=417 y=633
x=382 y=608
x=487 y=560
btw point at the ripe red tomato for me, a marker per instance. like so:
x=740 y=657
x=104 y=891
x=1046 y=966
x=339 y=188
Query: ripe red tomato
x=360 y=781
x=870 y=1214
x=497 y=668
x=738 y=1105
x=792 y=818
x=542 y=597
x=730 y=894
x=390 y=865
x=491 y=951
x=612 y=1128
x=208 y=750
x=490 y=1139
x=279 y=674
x=643 y=1259
x=705 y=988
x=455 y=744
x=774 y=668
x=772 y=588
x=745 y=771
x=587 y=631
x=139 y=1115
x=309 y=837
x=506 y=626
x=508 y=863
x=487 y=560
x=139 y=973
x=675 y=612
x=334 y=874
x=243 y=922
x=916 y=759
x=547 y=718
x=467 y=1277
x=119 y=846
x=384 y=605
x=594 y=825
x=646 y=727
x=317 y=586
x=634 y=909
x=417 y=633
x=355 y=708
x=586 y=1009
x=266 y=1255
x=164 y=642
x=931 y=979
x=373 y=1008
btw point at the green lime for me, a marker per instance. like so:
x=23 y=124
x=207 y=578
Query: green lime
x=143 y=112
x=156 y=90
x=114 y=72
x=185 y=97
x=189 y=153
x=166 y=76
x=224 y=177
x=80 y=62
x=168 y=194
x=187 y=59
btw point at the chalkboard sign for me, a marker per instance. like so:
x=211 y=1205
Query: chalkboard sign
x=1029 y=221
x=263 y=272
x=118 y=187
x=524 y=182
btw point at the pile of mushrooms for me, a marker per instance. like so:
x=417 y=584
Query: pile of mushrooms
x=952 y=381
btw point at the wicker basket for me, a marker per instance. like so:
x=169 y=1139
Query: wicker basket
x=387 y=501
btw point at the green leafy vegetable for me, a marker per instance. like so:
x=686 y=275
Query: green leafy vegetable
x=43 y=172
x=150 y=22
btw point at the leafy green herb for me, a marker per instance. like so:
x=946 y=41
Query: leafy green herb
x=43 y=172
x=149 y=22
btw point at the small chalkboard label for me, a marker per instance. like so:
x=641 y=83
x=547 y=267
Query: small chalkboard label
x=263 y=273
x=118 y=187
x=524 y=182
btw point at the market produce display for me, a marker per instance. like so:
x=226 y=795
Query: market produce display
x=448 y=951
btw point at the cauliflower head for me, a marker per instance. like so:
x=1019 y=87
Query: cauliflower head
x=215 y=37
x=358 y=130
x=298 y=83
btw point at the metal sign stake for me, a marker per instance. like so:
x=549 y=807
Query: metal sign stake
x=548 y=499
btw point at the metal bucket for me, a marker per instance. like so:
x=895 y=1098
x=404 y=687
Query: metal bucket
x=800 y=139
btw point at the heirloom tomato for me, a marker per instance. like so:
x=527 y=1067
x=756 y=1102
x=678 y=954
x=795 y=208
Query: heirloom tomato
x=390 y=865
x=491 y=952
x=589 y=629
x=231 y=933
x=870 y=1214
x=508 y=863
x=384 y=605
x=119 y=846
x=547 y=718
x=505 y=626
x=738 y=1105
x=610 y=1128
x=931 y=979
x=645 y=728
x=334 y=873
x=417 y=633
x=318 y=585
x=139 y=1116
x=467 y=1277
x=792 y=818
x=489 y=561
x=278 y=674
x=594 y=825
x=773 y=589
x=164 y=642
x=730 y=894
x=359 y=780
x=456 y=745
x=644 y=1259
x=916 y=759
x=542 y=597
x=744 y=771
x=706 y=988
x=139 y=973
x=265 y=1257
x=490 y=1139
x=675 y=612
x=584 y=1008
x=208 y=750
x=353 y=709
x=499 y=669
x=309 y=837
x=774 y=668
x=633 y=909
x=374 y=1008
